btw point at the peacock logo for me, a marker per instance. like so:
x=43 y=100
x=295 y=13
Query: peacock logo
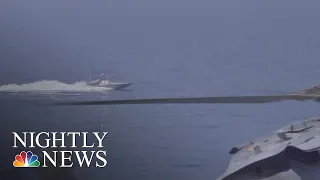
x=26 y=160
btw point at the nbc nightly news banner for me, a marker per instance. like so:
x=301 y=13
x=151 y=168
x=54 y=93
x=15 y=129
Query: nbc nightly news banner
x=40 y=155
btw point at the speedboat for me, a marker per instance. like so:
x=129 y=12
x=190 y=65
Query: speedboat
x=101 y=82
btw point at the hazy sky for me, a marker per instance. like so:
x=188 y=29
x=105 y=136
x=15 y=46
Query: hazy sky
x=61 y=38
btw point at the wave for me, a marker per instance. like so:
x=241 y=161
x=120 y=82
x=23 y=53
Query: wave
x=51 y=86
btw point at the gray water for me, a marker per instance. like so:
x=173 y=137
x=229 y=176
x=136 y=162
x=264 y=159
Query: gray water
x=166 y=48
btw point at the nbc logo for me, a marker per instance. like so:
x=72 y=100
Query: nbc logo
x=26 y=160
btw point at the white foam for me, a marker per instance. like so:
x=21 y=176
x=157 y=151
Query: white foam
x=51 y=86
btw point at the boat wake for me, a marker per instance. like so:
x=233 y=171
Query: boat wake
x=47 y=86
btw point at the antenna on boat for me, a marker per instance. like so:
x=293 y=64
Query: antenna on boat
x=90 y=75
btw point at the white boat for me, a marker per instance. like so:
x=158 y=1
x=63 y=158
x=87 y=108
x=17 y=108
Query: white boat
x=102 y=82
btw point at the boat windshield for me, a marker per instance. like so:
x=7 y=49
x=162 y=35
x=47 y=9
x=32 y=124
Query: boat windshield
x=102 y=77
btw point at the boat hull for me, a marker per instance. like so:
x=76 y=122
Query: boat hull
x=115 y=85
